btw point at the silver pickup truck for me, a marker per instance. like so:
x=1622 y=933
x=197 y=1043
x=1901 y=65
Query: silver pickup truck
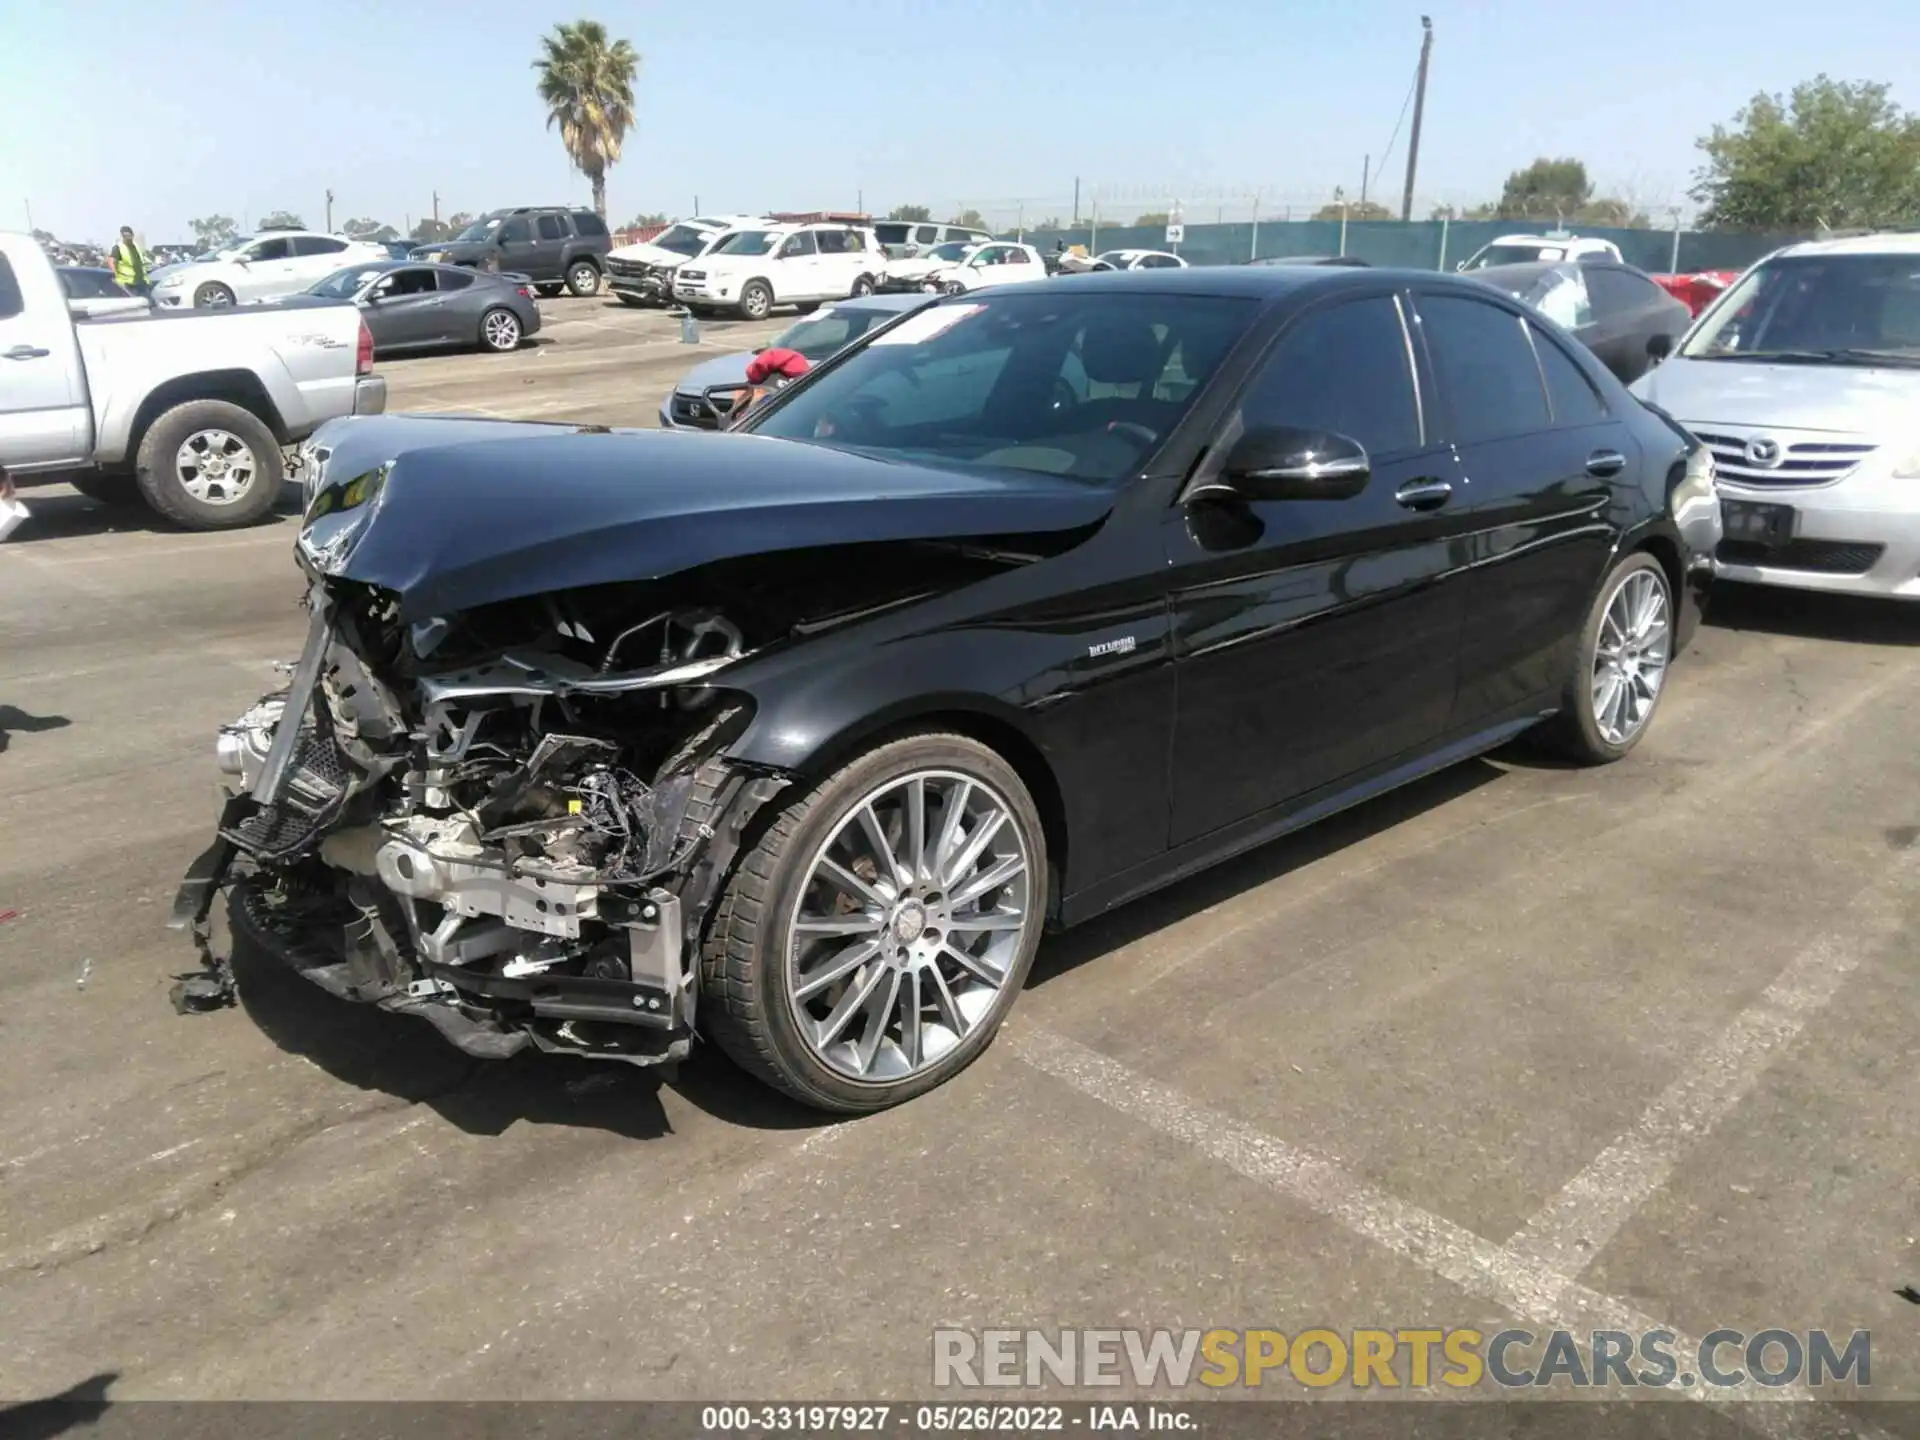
x=188 y=411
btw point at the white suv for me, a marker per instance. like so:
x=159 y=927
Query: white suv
x=260 y=267
x=751 y=271
x=642 y=273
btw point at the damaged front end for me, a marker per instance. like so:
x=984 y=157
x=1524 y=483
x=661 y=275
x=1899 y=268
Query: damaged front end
x=508 y=822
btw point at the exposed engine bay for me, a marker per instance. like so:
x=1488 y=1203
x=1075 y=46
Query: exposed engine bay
x=512 y=821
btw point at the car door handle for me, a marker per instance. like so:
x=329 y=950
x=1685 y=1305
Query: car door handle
x=1606 y=462
x=28 y=352
x=1424 y=494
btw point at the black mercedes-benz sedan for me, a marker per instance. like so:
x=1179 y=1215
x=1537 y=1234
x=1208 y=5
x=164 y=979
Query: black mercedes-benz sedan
x=796 y=738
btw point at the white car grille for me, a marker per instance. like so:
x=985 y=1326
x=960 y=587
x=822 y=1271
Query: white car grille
x=1772 y=457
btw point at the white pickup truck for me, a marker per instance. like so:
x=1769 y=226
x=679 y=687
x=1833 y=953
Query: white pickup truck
x=187 y=410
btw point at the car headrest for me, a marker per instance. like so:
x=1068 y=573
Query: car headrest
x=1120 y=350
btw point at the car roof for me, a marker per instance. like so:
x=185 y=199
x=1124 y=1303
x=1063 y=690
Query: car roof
x=1353 y=262
x=1255 y=281
x=1897 y=242
x=1525 y=270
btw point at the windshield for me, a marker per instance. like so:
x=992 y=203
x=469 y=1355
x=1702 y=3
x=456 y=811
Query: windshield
x=1560 y=293
x=1085 y=386
x=748 y=242
x=1838 y=307
x=1116 y=258
x=827 y=332
x=479 y=230
x=680 y=239
x=1515 y=255
x=953 y=250
x=344 y=284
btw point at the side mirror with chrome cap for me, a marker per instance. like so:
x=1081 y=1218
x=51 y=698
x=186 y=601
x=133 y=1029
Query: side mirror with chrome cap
x=1286 y=462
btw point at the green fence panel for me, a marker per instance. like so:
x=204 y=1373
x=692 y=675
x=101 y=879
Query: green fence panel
x=1419 y=244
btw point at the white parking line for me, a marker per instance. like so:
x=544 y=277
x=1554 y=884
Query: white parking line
x=1566 y=1233
x=1521 y=1283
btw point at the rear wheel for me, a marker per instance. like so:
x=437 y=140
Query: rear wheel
x=210 y=465
x=756 y=300
x=583 y=278
x=212 y=296
x=870 y=944
x=500 y=330
x=1620 y=667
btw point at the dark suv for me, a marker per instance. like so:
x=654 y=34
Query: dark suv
x=549 y=244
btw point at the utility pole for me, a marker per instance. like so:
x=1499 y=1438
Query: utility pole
x=1076 y=202
x=1341 y=196
x=1674 y=266
x=29 y=205
x=436 y=209
x=1419 y=112
x=1366 y=174
x=329 y=212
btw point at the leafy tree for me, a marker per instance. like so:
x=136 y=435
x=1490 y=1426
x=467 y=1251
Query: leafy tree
x=1832 y=153
x=1152 y=217
x=1544 y=189
x=458 y=221
x=1355 y=210
x=212 y=230
x=910 y=212
x=971 y=219
x=645 y=222
x=427 y=228
x=282 y=220
x=369 y=230
x=586 y=81
x=1052 y=222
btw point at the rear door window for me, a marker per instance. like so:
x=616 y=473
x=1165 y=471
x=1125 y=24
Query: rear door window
x=1574 y=400
x=1485 y=367
x=551 y=228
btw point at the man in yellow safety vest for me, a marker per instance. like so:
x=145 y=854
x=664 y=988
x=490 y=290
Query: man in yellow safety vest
x=131 y=263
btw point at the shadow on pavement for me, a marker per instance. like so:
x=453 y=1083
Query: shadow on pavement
x=57 y=513
x=73 y=1408
x=1062 y=953
x=1812 y=615
x=372 y=1049
x=14 y=720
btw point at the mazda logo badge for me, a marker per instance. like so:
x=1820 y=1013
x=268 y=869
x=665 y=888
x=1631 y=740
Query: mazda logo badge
x=1764 y=452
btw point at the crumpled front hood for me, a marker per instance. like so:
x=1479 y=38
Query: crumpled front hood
x=1882 y=403
x=474 y=512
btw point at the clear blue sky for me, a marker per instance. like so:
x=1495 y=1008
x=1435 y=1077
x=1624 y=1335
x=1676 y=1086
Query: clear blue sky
x=116 y=110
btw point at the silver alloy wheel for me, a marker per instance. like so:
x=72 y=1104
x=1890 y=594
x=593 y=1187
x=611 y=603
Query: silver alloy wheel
x=585 y=280
x=1630 y=656
x=502 y=330
x=910 y=918
x=213 y=297
x=216 y=467
x=755 y=302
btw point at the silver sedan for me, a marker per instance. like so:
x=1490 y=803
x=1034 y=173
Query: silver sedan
x=409 y=305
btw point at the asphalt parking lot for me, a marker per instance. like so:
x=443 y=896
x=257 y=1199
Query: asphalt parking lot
x=1521 y=1044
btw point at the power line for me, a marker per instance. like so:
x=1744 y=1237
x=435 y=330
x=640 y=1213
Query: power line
x=1412 y=85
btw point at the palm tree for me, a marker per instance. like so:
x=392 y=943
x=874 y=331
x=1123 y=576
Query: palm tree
x=587 y=83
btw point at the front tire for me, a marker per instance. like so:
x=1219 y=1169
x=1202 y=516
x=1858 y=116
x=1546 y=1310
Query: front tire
x=862 y=287
x=852 y=965
x=1620 y=665
x=756 y=300
x=583 y=279
x=212 y=296
x=209 y=465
